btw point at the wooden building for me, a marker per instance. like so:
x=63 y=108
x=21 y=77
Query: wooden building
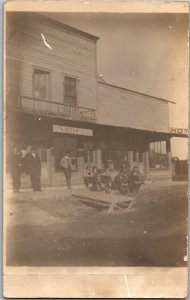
x=55 y=102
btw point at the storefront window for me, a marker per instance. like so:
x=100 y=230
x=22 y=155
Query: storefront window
x=157 y=155
x=88 y=157
x=112 y=159
x=140 y=156
x=43 y=155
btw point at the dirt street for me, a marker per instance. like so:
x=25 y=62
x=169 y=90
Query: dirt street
x=54 y=229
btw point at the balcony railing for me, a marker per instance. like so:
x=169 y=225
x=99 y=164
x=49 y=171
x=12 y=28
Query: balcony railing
x=55 y=108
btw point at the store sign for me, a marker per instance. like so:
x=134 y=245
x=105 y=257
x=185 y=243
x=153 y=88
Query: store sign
x=179 y=130
x=72 y=130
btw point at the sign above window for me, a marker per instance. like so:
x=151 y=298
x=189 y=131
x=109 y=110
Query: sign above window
x=179 y=130
x=72 y=130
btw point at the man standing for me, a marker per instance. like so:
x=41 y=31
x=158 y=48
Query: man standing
x=66 y=165
x=124 y=165
x=16 y=167
x=33 y=168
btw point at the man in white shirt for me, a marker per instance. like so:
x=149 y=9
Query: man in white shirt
x=66 y=165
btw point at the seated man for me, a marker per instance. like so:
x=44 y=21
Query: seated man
x=97 y=184
x=124 y=183
x=121 y=182
x=88 y=176
x=117 y=181
x=135 y=180
x=106 y=180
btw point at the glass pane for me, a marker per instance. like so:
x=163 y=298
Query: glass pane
x=163 y=147
x=70 y=90
x=43 y=155
x=140 y=156
x=41 y=84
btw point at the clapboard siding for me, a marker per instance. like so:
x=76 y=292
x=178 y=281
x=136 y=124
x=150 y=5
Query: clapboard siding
x=119 y=107
x=72 y=54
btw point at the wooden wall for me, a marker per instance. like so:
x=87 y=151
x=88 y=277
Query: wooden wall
x=120 y=107
x=72 y=54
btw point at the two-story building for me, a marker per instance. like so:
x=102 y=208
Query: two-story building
x=55 y=102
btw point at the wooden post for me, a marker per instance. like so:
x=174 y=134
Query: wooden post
x=146 y=164
x=94 y=157
x=50 y=166
x=130 y=159
x=99 y=158
x=169 y=157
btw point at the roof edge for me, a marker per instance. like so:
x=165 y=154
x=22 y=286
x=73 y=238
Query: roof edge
x=122 y=88
x=40 y=17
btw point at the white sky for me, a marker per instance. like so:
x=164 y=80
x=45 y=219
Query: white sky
x=144 y=52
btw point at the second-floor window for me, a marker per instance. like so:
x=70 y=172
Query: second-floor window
x=41 y=84
x=70 y=90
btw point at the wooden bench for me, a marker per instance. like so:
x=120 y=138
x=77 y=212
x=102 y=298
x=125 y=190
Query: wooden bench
x=110 y=201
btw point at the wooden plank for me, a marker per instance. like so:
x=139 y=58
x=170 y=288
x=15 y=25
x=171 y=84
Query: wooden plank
x=102 y=197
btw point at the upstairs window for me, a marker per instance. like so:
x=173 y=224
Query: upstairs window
x=70 y=90
x=41 y=84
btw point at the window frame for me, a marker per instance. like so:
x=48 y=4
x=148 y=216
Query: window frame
x=77 y=88
x=50 y=80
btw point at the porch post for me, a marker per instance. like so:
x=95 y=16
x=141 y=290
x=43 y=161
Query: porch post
x=50 y=166
x=94 y=156
x=130 y=159
x=99 y=158
x=146 y=164
x=169 y=156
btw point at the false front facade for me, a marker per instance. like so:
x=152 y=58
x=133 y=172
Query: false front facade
x=55 y=103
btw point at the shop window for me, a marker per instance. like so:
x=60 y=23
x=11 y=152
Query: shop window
x=134 y=156
x=88 y=157
x=157 y=155
x=70 y=90
x=43 y=155
x=111 y=159
x=140 y=156
x=41 y=84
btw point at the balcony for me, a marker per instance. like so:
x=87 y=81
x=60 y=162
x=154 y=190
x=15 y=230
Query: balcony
x=57 y=109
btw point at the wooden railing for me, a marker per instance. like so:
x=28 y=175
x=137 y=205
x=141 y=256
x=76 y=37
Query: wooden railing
x=56 y=108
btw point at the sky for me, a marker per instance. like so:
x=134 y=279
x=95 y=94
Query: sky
x=147 y=53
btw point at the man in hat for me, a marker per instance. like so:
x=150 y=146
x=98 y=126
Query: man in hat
x=66 y=166
x=33 y=168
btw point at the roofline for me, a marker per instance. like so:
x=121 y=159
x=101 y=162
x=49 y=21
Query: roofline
x=125 y=89
x=41 y=17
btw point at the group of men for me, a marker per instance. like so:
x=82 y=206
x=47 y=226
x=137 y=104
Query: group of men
x=125 y=181
x=95 y=179
x=30 y=164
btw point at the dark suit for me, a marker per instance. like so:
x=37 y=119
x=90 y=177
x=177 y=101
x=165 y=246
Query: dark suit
x=33 y=168
x=16 y=166
x=135 y=181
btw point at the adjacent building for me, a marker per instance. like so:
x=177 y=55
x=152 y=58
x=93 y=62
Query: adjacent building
x=56 y=102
